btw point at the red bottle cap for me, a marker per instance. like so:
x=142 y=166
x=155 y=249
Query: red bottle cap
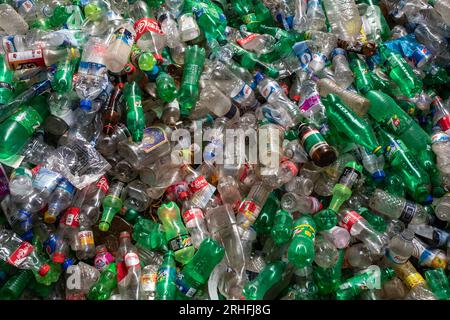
x=58 y=257
x=44 y=269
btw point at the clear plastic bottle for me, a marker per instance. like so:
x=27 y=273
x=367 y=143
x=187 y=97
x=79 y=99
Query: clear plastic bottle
x=11 y=21
x=441 y=147
x=169 y=27
x=20 y=182
x=398 y=208
x=129 y=286
x=344 y=19
x=326 y=253
x=372 y=163
x=315 y=16
x=251 y=206
x=304 y=204
x=359 y=256
x=340 y=237
x=60 y=200
x=442 y=209
x=119 y=47
x=149 y=276
x=443 y=8
x=195 y=223
x=229 y=191
x=310 y=104
x=342 y=72
x=324 y=43
x=188 y=27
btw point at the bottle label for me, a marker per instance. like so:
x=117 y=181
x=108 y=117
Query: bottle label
x=132 y=260
x=444 y=122
x=30 y=119
x=201 y=198
x=66 y=186
x=303 y=53
x=414 y=279
x=231 y=113
x=153 y=138
x=184 y=287
x=312 y=140
x=103 y=184
x=148 y=281
x=193 y=213
x=122 y=34
x=26 y=59
x=289 y=165
x=305 y=230
x=86 y=238
x=145 y=25
x=250 y=210
x=8 y=44
x=408 y=212
x=243 y=94
x=439 y=137
x=309 y=102
x=46 y=179
x=70 y=219
x=337 y=51
x=397 y=259
x=269 y=88
x=91 y=68
x=350 y=218
x=180 y=242
x=165 y=274
x=103 y=260
x=349 y=177
x=198 y=184
x=19 y=255
x=177 y=191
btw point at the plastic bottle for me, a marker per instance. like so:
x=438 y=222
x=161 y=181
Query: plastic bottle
x=119 y=47
x=59 y=200
x=12 y=22
x=135 y=115
x=112 y=204
x=401 y=247
x=342 y=190
x=344 y=18
x=166 y=288
x=6 y=79
x=251 y=206
x=301 y=250
x=105 y=285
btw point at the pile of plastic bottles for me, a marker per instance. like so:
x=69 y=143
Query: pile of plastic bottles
x=96 y=95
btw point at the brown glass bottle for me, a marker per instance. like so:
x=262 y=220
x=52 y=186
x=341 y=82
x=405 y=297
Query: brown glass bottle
x=112 y=113
x=321 y=153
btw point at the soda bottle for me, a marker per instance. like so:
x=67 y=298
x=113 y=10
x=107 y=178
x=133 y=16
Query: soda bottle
x=363 y=79
x=149 y=276
x=102 y=257
x=15 y=286
x=326 y=254
x=251 y=206
x=374 y=23
x=119 y=48
x=301 y=250
x=306 y=204
x=343 y=189
x=401 y=247
x=441 y=113
x=135 y=115
x=316 y=146
x=419 y=289
x=62 y=81
x=341 y=68
x=177 y=236
x=112 y=204
x=428 y=257
x=169 y=27
x=21 y=254
x=343 y=17
x=20 y=182
x=6 y=79
x=438 y=282
x=281 y=231
x=18 y=128
x=60 y=200
x=105 y=285
x=166 y=288
x=194 y=220
x=328 y=280
x=189 y=91
x=112 y=112
x=196 y=272
x=347 y=122
x=11 y=21
x=129 y=285
x=165 y=87
x=340 y=237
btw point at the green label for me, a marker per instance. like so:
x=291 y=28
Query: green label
x=305 y=229
x=30 y=119
x=312 y=141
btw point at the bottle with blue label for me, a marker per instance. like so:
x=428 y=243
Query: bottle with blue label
x=60 y=200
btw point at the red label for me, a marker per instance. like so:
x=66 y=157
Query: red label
x=177 y=190
x=248 y=208
x=193 y=213
x=349 y=220
x=20 y=254
x=198 y=184
x=444 y=122
x=244 y=172
x=26 y=59
x=246 y=39
x=103 y=184
x=70 y=219
x=290 y=166
x=131 y=260
x=35 y=169
x=146 y=25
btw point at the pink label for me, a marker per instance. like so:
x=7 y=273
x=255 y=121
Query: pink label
x=20 y=254
x=246 y=39
x=309 y=103
x=103 y=184
x=103 y=260
x=146 y=25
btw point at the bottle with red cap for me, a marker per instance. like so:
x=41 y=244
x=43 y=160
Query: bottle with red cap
x=441 y=113
x=21 y=254
x=194 y=220
x=127 y=255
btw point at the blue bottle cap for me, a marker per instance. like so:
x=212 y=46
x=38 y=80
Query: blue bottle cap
x=259 y=77
x=85 y=104
x=429 y=199
x=378 y=175
x=27 y=236
x=67 y=263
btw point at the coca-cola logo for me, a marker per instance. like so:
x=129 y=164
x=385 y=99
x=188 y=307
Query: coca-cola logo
x=198 y=184
x=144 y=25
x=20 y=254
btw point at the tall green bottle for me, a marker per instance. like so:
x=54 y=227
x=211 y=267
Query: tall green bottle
x=166 y=288
x=387 y=112
x=195 y=273
x=194 y=58
x=165 y=87
x=135 y=114
x=301 y=250
x=210 y=18
x=282 y=227
x=346 y=121
x=18 y=128
x=6 y=81
x=62 y=81
x=401 y=72
x=263 y=224
x=403 y=161
x=363 y=78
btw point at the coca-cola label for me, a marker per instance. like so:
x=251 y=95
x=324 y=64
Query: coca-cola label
x=198 y=184
x=103 y=184
x=17 y=257
x=146 y=25
x=250 y=210
x=132 y=260
x=350 y=218
x=26 y=59
x=191 y=214
x=70 y=219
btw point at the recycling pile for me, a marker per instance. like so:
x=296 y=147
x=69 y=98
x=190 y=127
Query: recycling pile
x=116 y=180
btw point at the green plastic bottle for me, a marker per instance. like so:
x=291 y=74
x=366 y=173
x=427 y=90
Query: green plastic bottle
x=374 y=24
x=150 y=235
x=165 y=87
x=416 y=180
x=343 y=189
x=105 y=285
x=401 y=72
x=269 y=277
x=282 y=228
x=210 y=18
x=329 y=279
x=14 y=287
x=177 y=235
x=194 y=58
x=346 y=121
x=166 y=288
x=394 y=184
x=62 y=81
x=135 y=114
x=6 y=81
x=18 y=128
x=363 y=78
x=376 y=221
x=438 y=283
x=112 y=204
x=263 y=224
x=386 y=111
x=301 y=250
x=195 y=273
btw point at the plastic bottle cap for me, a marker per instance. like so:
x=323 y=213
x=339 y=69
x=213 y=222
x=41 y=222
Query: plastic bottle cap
x=378 y=175
x=103 y=226
x=259 y=77
x=27 y=236
x=49 y=218
x=44 y=269
x=429 y=199
x=86 y=104
x=58 y=257
x=67 y=263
